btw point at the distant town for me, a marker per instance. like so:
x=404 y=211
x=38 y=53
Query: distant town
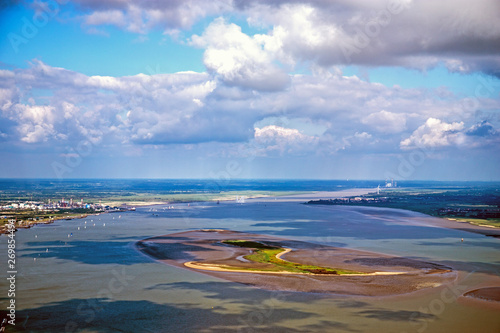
x=51 y=205
x=27 y=213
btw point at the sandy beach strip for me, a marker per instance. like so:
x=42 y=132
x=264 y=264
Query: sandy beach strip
x=380 y=275
x=220 y=268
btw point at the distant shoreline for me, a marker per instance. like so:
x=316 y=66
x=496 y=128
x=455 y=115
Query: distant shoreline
x=298 y=196
x=30 y=224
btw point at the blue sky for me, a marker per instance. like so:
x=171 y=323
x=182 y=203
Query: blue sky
x=93 y=54
x=363 y=90
x=66 y=44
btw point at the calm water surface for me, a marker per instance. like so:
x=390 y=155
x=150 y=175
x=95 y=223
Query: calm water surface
x=87 y=277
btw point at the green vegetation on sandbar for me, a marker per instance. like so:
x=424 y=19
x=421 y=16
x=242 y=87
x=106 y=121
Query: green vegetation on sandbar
x=263 y=253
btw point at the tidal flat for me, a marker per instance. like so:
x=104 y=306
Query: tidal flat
x=312 y=267
x=86 y=275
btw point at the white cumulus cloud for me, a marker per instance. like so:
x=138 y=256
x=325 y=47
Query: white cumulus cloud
x=290 y=140
x=435 y=133
x=238 y=58
x=386 y=122
x=463 y=35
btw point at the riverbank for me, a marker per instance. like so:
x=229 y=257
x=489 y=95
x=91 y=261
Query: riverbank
x=476 y=205
x=464 y=226
x=29 y=224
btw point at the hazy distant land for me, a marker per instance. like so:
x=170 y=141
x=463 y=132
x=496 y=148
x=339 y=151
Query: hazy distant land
x=477 y=205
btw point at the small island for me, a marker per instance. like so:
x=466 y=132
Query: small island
x=271 y=256
x=279 y=264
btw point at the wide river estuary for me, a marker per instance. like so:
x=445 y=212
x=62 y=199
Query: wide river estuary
x=85 y=275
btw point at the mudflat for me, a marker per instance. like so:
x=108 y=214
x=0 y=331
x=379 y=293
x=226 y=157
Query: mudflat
x=488 y=294
x=368 y=273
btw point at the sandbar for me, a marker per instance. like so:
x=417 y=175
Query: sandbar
x=203 y=251
x=488 y=294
